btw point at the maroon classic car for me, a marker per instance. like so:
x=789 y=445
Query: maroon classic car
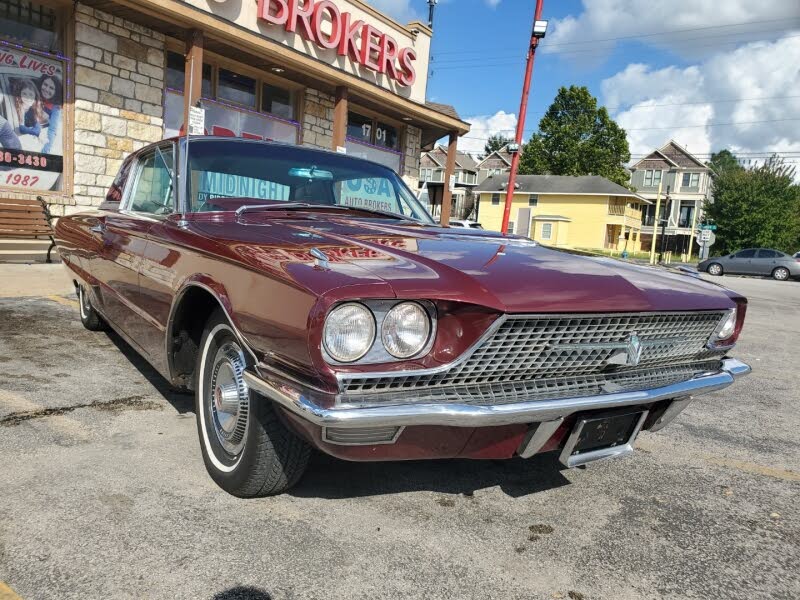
x=309 y=301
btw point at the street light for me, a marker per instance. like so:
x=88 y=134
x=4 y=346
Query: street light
x=539 y=29
x=431 y=5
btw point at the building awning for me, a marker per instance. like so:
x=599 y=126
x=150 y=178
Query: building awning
x=551 y=218
x=176 y=19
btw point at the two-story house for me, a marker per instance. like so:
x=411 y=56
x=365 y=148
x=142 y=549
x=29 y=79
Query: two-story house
x=431 y=176
x=586 y=211
x=494 y=163
x=684 y=182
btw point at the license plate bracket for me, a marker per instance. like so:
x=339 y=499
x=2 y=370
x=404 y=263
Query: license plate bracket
x=598 y=436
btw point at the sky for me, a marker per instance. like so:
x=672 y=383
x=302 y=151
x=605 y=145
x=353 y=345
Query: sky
x=707 y=73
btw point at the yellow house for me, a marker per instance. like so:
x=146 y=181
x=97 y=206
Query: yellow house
x=563 y=211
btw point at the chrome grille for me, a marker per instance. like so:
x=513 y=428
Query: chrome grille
x=537 y=347
x=540 y=389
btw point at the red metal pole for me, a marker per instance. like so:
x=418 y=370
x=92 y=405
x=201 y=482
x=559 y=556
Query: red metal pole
x=523 y=109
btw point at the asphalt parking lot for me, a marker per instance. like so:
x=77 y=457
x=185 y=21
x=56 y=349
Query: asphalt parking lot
x=103 y=493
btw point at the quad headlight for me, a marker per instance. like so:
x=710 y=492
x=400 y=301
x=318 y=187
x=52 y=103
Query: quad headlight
x=402 y=329
x=349 y=332
x=406 y=329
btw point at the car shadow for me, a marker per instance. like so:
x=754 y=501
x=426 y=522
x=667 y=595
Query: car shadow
x=182 y=402
x=332 y=478
x=242 y=592
x=335 y=479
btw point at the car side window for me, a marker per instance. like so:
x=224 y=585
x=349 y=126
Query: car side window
x=152 y=191
x=746 y=254
x=768 y=254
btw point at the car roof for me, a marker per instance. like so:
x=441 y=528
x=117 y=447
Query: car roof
x=239 y=140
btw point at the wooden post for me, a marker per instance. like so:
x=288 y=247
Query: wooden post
x=193 y=78
x=449 y=170
x=691 y=234
x=340 y=117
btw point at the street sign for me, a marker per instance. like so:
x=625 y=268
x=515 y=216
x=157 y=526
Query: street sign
x=708 y=227
x=705 y=235
x=706 y=238
x=197 y=120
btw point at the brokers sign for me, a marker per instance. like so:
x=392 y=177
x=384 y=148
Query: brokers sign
x=361 y=42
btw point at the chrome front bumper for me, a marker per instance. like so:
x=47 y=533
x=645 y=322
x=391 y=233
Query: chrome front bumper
x=305 y=405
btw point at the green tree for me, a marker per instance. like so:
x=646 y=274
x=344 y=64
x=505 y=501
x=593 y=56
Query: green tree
x=576 y=137
x=756 y=208
x=495 y=142
x=723 y=161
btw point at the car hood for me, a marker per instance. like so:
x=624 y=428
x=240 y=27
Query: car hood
x=509 y=274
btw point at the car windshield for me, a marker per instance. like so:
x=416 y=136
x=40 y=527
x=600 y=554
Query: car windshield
x=228 y=174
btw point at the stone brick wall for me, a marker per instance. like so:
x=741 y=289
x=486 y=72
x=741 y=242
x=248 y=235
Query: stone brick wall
x=119 y=74
x=411 y=153
x=318 y=119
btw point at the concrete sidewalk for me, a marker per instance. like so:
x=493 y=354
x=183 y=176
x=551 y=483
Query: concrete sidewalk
x=21 y=280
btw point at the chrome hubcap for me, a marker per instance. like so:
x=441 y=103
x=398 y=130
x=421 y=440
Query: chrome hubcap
x=781 y=274
x=229 y=402
x=714 y=269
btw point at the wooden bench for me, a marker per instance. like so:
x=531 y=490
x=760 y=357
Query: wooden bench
x=26 y=219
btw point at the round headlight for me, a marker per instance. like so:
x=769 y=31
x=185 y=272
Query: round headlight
x=406 y=329
x=349 y=332
x=727 y=327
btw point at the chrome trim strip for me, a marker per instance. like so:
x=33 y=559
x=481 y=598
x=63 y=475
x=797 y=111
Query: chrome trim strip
x=494 y=327
x=326 y=439
x=460 y=415
x=535 y=439
x=570 y=461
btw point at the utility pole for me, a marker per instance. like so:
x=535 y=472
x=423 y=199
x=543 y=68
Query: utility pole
x=538 y=31
x=655 y=225
x=664 y=223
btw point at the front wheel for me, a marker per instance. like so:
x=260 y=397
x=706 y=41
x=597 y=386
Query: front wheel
x=715 y=269
x=781 y=274
x=246 y=449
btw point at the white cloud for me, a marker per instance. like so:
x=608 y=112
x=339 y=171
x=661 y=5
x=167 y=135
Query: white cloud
x=714 y=23
x=400 y=10
x=755 y=82
x=483 y=126
x=492 y=3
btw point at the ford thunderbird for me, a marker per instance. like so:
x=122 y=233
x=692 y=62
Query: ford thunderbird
x=309 y=301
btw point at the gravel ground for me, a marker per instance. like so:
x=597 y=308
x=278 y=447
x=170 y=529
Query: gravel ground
x=104 y=493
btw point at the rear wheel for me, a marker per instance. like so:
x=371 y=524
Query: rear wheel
x=246 y=449
x=715 y=269
x=781 y=274
x=89 y=316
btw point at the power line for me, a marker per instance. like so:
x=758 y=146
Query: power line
x=500 y=131
x=639 y=36
x=503 y=63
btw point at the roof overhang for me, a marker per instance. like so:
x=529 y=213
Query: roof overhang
x=175 y=19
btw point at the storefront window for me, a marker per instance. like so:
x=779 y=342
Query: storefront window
x=175 y=74
x=372 y=131
x=277 y=101
x=236 y=88
x=31 y=98
x=386 y=136
x=374 y=140
x=359 y=127
x=30 y=24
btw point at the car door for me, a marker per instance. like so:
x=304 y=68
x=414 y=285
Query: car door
x=148 y=200
x=766 y=261
x=740 y=263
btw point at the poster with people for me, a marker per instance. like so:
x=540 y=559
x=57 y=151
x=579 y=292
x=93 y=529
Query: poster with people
x=31 y=121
